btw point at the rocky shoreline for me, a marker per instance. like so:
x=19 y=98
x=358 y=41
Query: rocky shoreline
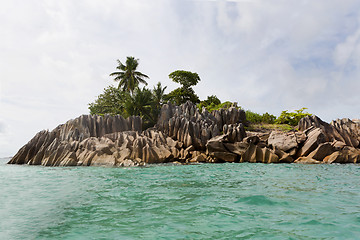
x=185 y=135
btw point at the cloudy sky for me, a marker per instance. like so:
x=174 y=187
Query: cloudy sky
x=267 y=55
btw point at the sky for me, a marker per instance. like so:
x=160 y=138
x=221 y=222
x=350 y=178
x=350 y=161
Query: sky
x=266 y=55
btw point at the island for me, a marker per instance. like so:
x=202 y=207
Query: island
x=133 y=126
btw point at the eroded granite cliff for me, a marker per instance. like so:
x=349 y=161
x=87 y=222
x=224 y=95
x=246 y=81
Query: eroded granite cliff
x=186 y=135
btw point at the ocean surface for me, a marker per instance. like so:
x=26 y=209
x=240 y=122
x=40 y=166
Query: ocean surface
x=208 y=201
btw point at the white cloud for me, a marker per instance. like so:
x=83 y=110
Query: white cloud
x=266 y=55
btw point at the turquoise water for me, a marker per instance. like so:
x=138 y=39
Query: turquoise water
x=209 y=201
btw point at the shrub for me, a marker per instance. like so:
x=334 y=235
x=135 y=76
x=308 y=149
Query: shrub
x=292 y=118
x=260 y=118
x=216 y=105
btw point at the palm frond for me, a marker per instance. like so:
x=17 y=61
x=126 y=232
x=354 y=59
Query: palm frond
x=140 y=80
x=141 y=74
x=115 y=73
x=128 y=77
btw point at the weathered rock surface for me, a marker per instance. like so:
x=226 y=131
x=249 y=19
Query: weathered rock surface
x=315 y=136
x=188 y=125
x=343 y=130
x=222 y=149
x=337 y=142
x=322 y=151
x=255 y=154
x=285 y=141
x=347 y=155
x=98 y=141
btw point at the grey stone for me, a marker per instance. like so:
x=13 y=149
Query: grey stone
x=284 y=141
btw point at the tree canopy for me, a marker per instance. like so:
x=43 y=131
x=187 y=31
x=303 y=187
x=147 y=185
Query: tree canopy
x=185 y=92
x=292 y=118
x=111 y=101
x=129 y=99
x=142 y=102
x=128 y=76
x=185 y=78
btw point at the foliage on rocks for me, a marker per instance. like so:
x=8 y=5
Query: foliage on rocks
x=142 y=102
x=111 y=101
x=260 y=118
x=213 y=103
x=292 y=118
x=128 y=99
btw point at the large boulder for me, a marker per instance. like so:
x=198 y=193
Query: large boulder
x=238 y=148
x=258 y=138
x=283 y=156
x=216 y=144
x=255 y=154
x=284 y=141
x=315 y=136
x=246 y=151
x=322 y=151
x=347 y=155
x=224 y=156
x=318 y=155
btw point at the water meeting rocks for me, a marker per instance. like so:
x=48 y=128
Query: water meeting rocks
x=183 y=134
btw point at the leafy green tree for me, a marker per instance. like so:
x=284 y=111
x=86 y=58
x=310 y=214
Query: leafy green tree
x=111 y=101
x=268 y=118
x=185 y=92
x=185 y=78
x=182 y=95
x=292 y=118
x=253 y=117
x=114 y=101
x=210 y=103
x=127 y=75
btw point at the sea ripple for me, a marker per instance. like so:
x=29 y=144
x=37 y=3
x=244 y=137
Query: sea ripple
x=206 y=201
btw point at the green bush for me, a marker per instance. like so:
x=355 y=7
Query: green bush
x=260 y=118
x=292 y=118
x=213 y=103
x=210 y=103
x=111 y=101
x=142 y=102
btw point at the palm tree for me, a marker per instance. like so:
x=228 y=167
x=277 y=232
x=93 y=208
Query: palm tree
x=128 y=76
x=159 y=94
x=141 y=104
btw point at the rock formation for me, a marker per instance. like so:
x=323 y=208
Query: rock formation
x=59 y=146
x=186 y=135
x=188 y=125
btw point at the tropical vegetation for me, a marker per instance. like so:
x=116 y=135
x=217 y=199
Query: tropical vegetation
x=292 y=118
x=128 y=76
x=129 y=99
x=185 y=92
